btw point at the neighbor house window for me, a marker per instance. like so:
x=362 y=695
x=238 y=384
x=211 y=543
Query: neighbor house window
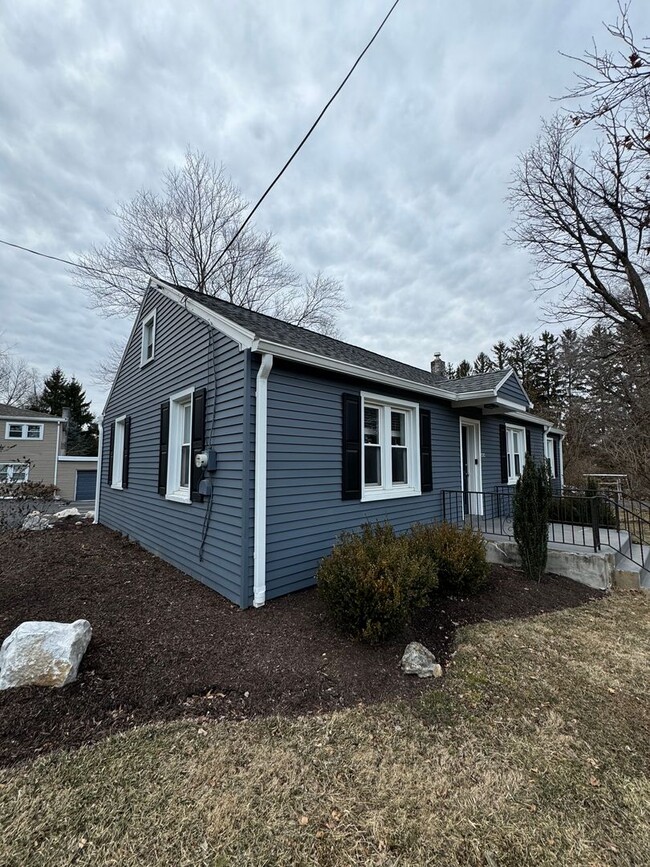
x=179 y=470
x=14 y=473
x=20 y=431
x=118 y=452
x=148 y=339
x=391 y=452
x=516 y=446
x=550 y=455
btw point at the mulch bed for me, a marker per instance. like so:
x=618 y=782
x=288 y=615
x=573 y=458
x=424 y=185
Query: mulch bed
x=164 y=646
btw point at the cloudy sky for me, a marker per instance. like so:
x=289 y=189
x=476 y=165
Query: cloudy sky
x=399 y=193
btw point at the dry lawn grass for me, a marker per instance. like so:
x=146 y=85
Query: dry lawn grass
x=535 y=751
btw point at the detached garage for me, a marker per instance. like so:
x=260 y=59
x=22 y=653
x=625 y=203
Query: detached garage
x=76 y=477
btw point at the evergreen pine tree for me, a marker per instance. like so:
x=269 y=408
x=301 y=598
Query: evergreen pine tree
x=483 y=363
x=501 y=354
x=54 y=395
x=463 y=369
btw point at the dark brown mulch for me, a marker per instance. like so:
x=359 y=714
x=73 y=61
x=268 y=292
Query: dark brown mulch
x=164 y=646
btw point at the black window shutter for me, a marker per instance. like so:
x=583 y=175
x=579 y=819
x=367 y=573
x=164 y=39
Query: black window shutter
x=529 y=447
x=163 y=448
x=351 y=478
x=503 y=445
x=556 y=453
x=111 y=445
x=126 y=452
x=198 y=440
x=426 y=468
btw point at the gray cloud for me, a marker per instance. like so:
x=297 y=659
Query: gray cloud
x=400 y=192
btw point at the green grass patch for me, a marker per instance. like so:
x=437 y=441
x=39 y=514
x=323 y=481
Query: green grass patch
x=534 y=751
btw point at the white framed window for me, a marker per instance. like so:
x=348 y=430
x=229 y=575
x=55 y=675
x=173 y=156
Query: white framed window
x=118 y=452
x=516 y=449
x=14 y=472
x=550 y=455
x=390 y=461
x=179 y=459
x=148 y=349
x=23 y=431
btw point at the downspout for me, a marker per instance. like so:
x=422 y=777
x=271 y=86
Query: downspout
x=100 y=449
x=259 y=555
x=56 y=453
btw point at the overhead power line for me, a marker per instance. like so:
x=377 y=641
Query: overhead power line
x=266 y=191
x=305 y=137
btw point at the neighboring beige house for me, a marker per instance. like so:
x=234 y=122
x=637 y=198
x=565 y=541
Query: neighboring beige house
x=41 y=439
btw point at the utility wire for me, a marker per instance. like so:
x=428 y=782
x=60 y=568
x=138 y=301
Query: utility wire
x=309 y=132
x=266 y=191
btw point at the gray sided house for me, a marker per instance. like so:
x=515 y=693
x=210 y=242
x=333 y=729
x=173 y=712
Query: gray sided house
x=237 y=447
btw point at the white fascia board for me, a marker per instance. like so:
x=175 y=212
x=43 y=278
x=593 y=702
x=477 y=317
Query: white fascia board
x=23 y=419
x=86 y=458
x=530 y=418
x=322 y=361
x=475 y=398
x=242 y=336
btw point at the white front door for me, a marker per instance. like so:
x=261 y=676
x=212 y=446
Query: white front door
x=470 y=466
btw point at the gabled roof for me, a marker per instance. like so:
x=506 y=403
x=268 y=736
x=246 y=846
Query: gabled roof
x=275 y=330
x=263 y=333
x=7 y=411
x=478 y=382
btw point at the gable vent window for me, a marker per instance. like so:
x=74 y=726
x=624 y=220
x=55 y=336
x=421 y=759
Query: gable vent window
x=15 y=431
x=148 y=339
x=391 y=449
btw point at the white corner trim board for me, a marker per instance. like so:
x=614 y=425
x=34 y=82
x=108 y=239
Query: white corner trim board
x=259 y=551
x=98 y=483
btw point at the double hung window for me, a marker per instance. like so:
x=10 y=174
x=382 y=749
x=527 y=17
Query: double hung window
x=390 y=448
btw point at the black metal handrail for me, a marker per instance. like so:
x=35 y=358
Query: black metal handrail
x=585 y=519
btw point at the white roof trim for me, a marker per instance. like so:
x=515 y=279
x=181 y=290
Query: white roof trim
x=241 y=336
x=85 y=458
x=24 y=419
x=322 y=361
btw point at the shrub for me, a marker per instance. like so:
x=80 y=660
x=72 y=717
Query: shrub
x=458 y=554
x=530 y=514
x=372 y=582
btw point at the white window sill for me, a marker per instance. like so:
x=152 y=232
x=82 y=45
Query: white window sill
x=148 y=361
x=513 y=481
x=117 y=486
x=369 y=496
x=178 y=497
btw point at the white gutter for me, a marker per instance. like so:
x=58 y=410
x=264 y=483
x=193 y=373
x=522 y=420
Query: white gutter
x=98 y=484
x=259 y=549
x=56 y=453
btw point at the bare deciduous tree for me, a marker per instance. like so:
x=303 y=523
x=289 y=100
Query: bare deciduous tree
x=585 y=213
x=181 y=234
x=18 y=381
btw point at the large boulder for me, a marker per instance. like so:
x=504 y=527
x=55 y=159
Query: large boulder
x=419 y=660
x=66 y=513
x=43 y=653
x=36 y=521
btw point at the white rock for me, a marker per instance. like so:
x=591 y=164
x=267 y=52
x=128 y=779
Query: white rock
x=66 y=513
x=43 y=653
x=36 y=521
x=419 y=660
x=90 y=515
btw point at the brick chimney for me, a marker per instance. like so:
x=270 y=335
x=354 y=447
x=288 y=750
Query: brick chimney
x=438 y=367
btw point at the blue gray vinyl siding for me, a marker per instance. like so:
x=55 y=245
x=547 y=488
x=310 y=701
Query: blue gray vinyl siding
x=184 y=357
x=511 y=390
x=305 y=512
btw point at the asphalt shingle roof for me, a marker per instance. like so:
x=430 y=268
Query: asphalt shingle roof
x=478 y=382
x=269 y=328
x=7 y=411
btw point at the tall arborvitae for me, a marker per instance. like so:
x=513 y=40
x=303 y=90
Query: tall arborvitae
x=531 y=512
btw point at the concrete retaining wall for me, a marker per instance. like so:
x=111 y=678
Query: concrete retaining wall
x=594 y=570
